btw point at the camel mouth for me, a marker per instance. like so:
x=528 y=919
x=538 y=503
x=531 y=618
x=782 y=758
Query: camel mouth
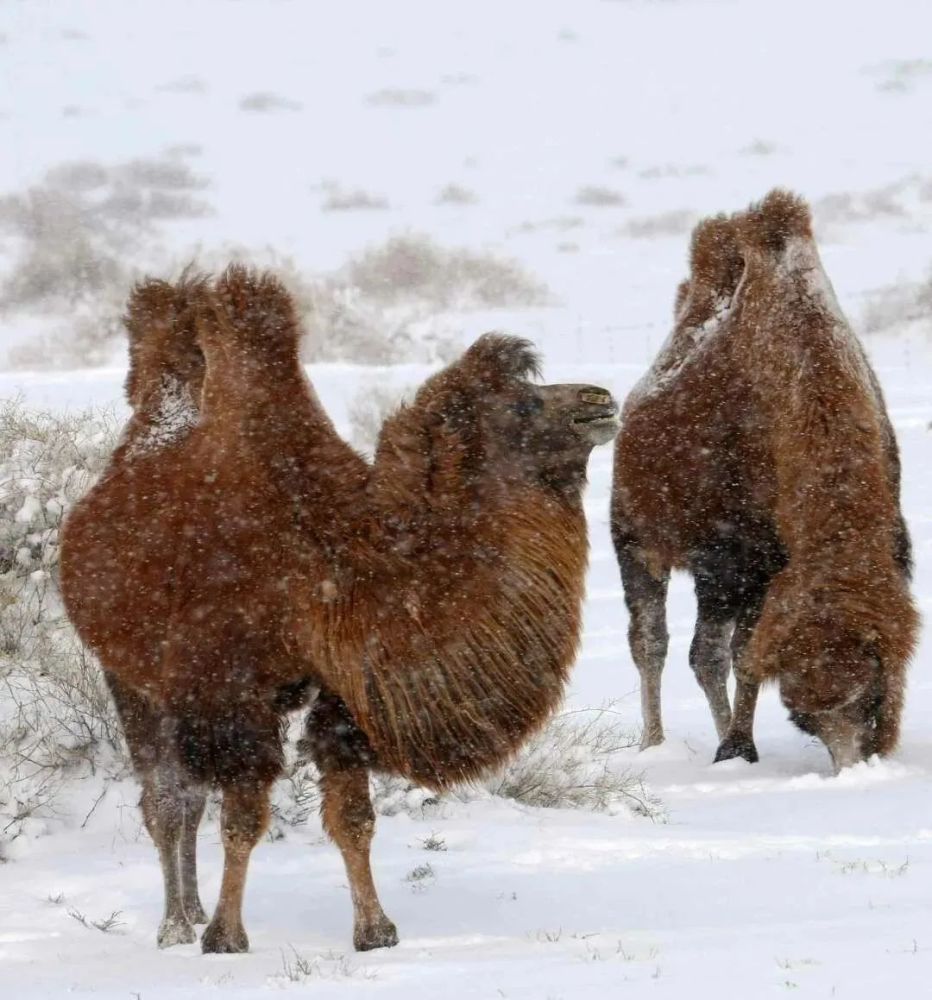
x=600 y=423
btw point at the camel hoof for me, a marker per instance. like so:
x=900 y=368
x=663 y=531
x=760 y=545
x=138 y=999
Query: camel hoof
x=737 y=746
x=651 y=738
x=173 y=931
x=218 y=939
x=381 y=934
x=196 y=913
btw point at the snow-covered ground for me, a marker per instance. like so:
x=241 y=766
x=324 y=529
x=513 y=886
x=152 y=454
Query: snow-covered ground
x=768 y=879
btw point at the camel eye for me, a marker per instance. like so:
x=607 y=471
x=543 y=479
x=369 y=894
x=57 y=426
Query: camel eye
x=527 y=407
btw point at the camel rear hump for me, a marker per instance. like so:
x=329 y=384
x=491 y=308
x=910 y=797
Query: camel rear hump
x=769 y=226
x=253 y=315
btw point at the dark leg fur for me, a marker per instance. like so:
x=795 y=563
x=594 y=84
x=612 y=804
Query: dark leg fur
x=163 y=805
x=739 y=740
x=732 y=574
x=646 y=599
x=194 y=805
x=171 y=808
x=710 y=659
x=342 y=754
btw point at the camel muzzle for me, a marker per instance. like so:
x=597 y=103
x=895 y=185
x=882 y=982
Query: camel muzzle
x=595 y=414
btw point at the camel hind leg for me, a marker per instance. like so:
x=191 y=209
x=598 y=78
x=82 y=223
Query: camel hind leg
x=342 y=754
x=760 y=559
x=710 y=650
x=646 y=599
x=739 y=740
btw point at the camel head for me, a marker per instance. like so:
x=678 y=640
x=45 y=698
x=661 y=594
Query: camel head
x=841 y=702
x=516 y=428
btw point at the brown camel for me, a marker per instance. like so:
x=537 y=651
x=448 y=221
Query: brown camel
x=757 y=454
x=237 y=556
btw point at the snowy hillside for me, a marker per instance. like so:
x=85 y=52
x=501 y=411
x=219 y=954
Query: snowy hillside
x=549 y=159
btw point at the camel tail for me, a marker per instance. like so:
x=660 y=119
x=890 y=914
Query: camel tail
x=768 y=226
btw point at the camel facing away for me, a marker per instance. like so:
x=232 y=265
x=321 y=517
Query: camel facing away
x=757 y=454
x=237 y=557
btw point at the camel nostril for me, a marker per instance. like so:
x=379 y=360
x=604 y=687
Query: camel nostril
x=595 y=397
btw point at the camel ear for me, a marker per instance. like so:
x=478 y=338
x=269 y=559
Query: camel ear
x=767 y=226
x=496 y=357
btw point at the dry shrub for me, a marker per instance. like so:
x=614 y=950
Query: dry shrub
x=78 y=235
x=185 y=85
x=56 y=718
x=599 y=197
x=673 y=223
x=571 y=765
x=759 y=147
x=455 y=194
x=414 y=267
x=345 y=324
x=558 y=224
x=77 y=228
x=864 y=206
x=396 y=97
x=88 y=231
x=897 y=305
x=348 y=200
x=902 y=75
x=264 y=101
x=661 y=172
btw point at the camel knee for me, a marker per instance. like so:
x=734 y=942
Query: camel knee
x=162 y=808
x=649 y=639
x=245 y=816
x=346 y=810
x=710 y=653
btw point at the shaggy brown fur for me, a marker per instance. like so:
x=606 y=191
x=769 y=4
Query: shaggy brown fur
x=757 y=454
x=222 y=570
